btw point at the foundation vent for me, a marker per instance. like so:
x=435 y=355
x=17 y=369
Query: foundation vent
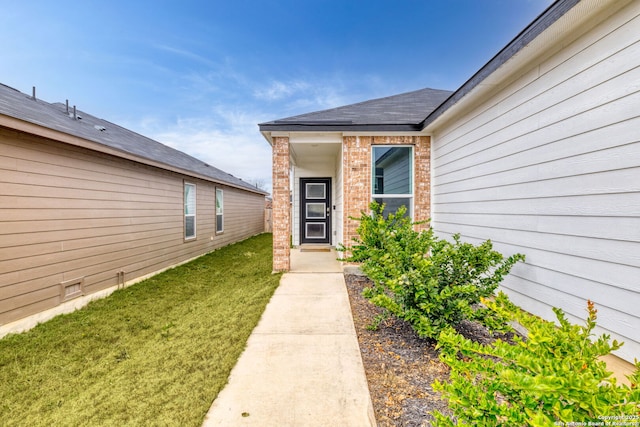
x=71 y=289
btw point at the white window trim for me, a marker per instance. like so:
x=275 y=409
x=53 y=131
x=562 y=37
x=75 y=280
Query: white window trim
x=410 y=196
x=220 y=216
x=195 y=205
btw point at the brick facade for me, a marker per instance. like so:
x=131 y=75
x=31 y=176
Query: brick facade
x=356 y=169
x=281 y=204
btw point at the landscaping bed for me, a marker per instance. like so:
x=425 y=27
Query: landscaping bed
x=446 y=291
x=400 y=366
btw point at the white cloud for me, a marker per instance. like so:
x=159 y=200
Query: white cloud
x=224 y=133
x=277 y=90
x=301 y=96
x=185 y=54
x=237 y=148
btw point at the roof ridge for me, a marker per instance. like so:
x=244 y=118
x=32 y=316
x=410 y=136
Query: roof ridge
x=402 y=112
x=368 y=101
x=108 y=134
x=12 y=88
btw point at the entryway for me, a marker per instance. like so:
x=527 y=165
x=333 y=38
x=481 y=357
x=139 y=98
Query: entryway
x=315 y=210
x=315 y=261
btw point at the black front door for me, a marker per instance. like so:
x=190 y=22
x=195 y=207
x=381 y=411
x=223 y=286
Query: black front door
x=315 y=210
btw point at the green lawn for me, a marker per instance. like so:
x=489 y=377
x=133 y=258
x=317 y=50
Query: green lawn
x=156 y=353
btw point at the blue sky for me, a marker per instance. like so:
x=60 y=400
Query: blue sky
x=200 y=75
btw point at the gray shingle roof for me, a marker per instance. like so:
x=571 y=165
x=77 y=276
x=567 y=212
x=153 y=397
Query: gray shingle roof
x=414 y=111
x=405 y=111
x=16 y=104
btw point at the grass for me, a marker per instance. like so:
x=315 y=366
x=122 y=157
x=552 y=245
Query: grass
x=157 y=353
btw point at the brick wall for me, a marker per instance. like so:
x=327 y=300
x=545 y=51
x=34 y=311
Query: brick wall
x=281 y=205
x=422 y=179
x=356 y=168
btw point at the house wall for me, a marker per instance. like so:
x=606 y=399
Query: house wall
x=549 y=166
x=68 y=213
x=356 y=175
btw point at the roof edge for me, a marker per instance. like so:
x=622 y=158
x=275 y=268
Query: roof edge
x=283 y=126
x=548 y=17
x=296 y=118
x=42 y=131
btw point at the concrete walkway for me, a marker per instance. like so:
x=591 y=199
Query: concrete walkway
x=302 y=364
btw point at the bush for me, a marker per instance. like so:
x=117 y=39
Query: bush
x=429 y=282
x=552 y=378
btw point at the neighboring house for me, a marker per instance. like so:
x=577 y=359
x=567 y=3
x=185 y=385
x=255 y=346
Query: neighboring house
x=267 y=215
x=539 y=151
x=87 y=206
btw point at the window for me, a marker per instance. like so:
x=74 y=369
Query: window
x=189 y=211
x=392 y=177
x=219 y=211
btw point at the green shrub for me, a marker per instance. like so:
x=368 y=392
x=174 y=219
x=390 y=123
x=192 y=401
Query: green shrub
x=387 y=245
x=429 y=282
x=552 y=378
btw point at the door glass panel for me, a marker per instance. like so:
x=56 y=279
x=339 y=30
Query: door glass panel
x=315 y=191
x=316 y=210
x=315 y=230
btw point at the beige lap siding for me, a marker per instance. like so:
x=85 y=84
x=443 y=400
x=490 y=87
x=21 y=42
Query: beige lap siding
x=356 y=169
x=68 y=212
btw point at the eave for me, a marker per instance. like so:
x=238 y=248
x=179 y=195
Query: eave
x=18 y=125
x=332 y=127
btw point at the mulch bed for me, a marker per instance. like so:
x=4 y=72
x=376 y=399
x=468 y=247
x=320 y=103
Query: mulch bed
x=400 y=366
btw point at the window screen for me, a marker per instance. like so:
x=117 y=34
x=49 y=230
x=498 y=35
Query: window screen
x=219 y=211
x=189 y=211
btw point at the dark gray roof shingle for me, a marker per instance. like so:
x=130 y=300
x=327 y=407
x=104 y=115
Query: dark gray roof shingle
x=405 y=111
x=16 y=104
x=413 y=111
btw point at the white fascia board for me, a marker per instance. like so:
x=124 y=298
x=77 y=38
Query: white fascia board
x=278 y=134
x=315 y=137
x=409 y=133
x=268 y=136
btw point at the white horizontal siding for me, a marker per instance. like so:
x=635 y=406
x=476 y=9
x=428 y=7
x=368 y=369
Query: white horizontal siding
x=596 y=227
x=549 y=166
x=552 y=81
